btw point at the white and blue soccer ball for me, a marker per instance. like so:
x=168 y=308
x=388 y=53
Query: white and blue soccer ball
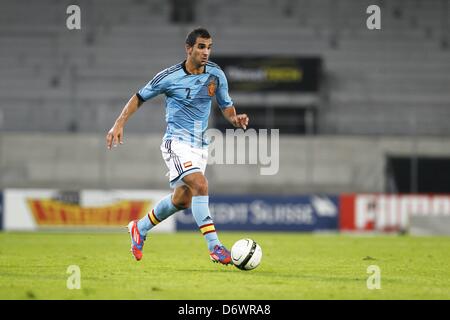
x=246 y=254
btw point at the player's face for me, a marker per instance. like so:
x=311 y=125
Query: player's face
x=200 y=52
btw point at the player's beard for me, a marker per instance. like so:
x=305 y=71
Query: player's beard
x=199 y=62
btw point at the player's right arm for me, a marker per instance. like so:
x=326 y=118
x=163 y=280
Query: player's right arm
x=156 y=86
x=115 y=134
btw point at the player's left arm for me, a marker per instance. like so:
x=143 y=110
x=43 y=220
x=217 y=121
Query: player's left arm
x=226 y=104
x=237 y=120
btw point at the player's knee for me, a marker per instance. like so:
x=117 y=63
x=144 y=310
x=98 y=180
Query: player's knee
x=200 y=187
x=183 y=203
x=182 y=198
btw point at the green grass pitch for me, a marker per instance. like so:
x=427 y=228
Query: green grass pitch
x=177 y=266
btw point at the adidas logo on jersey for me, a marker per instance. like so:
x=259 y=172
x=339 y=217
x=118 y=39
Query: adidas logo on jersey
x=198 y=82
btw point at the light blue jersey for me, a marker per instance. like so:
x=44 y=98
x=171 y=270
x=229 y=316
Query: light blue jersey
x=188 y=100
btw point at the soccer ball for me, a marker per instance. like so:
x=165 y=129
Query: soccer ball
x=246 y=254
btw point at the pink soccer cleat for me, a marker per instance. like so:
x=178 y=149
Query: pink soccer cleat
x=220 y=254
x=137 y=241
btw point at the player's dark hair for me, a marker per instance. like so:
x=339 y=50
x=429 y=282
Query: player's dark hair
x=197 y=33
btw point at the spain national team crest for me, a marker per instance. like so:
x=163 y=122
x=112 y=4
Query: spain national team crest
x=212 y=88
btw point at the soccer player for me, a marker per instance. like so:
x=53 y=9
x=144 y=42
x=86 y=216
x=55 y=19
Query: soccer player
x=189 y=87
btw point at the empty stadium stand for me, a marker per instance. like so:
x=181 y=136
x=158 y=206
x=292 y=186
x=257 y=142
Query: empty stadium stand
x=393 y=81
x=385 y=92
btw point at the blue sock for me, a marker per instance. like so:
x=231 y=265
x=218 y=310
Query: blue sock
x=200 y=211
x=162 y=210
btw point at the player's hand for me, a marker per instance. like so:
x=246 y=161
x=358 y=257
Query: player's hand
x=241 y=121
x=114 y=136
